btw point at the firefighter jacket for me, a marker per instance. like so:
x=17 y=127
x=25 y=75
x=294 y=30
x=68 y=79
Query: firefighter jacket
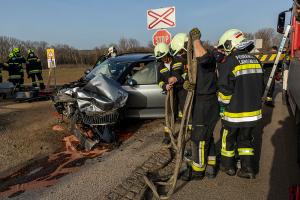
x=206 y=75
x=241 y=89
x=14 y=68
x=20 y=60
x=164 y=73
x=206 y=83
x=33 y=65
x=206 y=102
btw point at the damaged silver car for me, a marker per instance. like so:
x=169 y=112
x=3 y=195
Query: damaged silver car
x=124 y=86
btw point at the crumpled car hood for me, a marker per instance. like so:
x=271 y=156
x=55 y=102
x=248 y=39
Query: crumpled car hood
x=101 y=94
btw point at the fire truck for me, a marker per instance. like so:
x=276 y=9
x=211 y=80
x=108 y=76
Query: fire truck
x=291 y=66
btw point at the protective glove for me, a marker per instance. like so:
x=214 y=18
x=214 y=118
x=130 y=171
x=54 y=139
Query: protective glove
x=222 y=110
x=195 y=34
x=188 y=86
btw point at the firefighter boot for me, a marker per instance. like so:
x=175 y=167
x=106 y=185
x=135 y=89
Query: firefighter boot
x=167 y=139
x=210 y=171
x=189 y=174
x=269 y=102
x=231 y=171
x=246 y=172
x=42 y=86
x=247 y=167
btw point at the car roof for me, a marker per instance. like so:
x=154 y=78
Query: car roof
x=133 y=57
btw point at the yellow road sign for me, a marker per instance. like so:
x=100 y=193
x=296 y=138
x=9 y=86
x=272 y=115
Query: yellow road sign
x=50 y=54
x=51 y=58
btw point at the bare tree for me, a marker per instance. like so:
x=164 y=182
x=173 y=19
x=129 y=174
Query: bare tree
x=249 y=36
x=267 y=35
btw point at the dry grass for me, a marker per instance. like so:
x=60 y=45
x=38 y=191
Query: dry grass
x=64 y=74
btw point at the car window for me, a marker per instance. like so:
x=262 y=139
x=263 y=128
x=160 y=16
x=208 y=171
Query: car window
x=146 y=76
x=109 y=68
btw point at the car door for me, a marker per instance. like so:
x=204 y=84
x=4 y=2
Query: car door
x=145 y=98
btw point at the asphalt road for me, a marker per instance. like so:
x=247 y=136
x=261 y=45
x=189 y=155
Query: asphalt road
x=276 y=150
x=278 y=169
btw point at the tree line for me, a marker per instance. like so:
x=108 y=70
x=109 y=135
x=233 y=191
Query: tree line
x=269 y=36
x=65 y=54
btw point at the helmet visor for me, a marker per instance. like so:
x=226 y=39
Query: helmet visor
x=160 y=54
x=172 y=51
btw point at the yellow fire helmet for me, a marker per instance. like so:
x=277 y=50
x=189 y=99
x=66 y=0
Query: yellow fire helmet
x=231 y=39
x=178 y=43
x=161 y=50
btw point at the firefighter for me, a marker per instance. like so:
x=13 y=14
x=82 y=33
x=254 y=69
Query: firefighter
x=112 y=52
x=20 y=60
x=240 y=94
x=170 y=72
x=179 y=52
x=267 y=68
x=14 y=70
x=205 y=113
x=34 y=69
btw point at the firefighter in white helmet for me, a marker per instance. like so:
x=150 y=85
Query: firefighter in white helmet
x=205 y=112
x=112 y=52
x=170 y=72
x=240 y=95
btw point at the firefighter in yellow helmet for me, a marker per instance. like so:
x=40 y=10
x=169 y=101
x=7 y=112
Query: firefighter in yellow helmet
x=14 y=67
x=170 y=72
x=240 y=95
x=34 y=69
x=20 y=60
x=205 y=113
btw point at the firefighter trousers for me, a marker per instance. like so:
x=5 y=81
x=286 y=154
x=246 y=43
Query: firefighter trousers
x=204 y=118
x=237 y=142
x=39 y=80
x=179 y=101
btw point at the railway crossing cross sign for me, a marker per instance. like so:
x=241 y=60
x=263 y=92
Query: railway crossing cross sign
x=161 y=36
x=161 y=18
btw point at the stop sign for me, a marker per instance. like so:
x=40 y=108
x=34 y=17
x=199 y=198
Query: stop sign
x=161 y=36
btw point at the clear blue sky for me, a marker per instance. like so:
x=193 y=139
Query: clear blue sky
x=85 y=24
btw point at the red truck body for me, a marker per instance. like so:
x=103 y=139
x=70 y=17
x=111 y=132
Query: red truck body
x=295 y=37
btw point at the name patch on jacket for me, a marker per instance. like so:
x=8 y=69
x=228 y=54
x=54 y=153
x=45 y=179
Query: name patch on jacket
x=246 y=59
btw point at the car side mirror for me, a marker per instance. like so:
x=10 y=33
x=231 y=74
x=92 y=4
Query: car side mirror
x=87 y=71
x=281 y=23
x=131 y=82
